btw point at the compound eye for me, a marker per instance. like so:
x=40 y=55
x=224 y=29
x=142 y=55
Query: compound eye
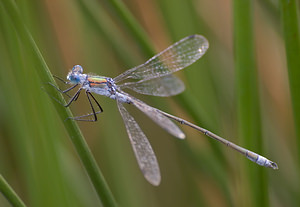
x=73 y=78
x=77 y=69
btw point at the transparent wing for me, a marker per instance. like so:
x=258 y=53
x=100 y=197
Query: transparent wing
x=141 y=147
x=158 y=118
x=174 y=58
x=163 y=86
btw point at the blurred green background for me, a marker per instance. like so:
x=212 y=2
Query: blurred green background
x=241 y=90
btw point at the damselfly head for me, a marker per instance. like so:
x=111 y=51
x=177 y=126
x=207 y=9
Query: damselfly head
x=74 y=76
x=77 y=69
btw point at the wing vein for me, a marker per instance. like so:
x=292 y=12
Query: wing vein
x=142 y=149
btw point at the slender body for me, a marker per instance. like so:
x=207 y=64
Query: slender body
x=151 y=78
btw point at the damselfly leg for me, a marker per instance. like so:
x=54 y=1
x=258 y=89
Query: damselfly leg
x=94 y=114
x=75 y=97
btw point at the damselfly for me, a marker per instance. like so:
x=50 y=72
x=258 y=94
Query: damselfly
x=154 y=77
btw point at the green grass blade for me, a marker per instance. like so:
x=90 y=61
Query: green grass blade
x=81 y=146
x=133 y=26
x=100 y=21
x=10 y=194
x=248 y=101
x=290 y=23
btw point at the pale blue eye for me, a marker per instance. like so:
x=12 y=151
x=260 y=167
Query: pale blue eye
x=74 y=78
x=77 y=69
